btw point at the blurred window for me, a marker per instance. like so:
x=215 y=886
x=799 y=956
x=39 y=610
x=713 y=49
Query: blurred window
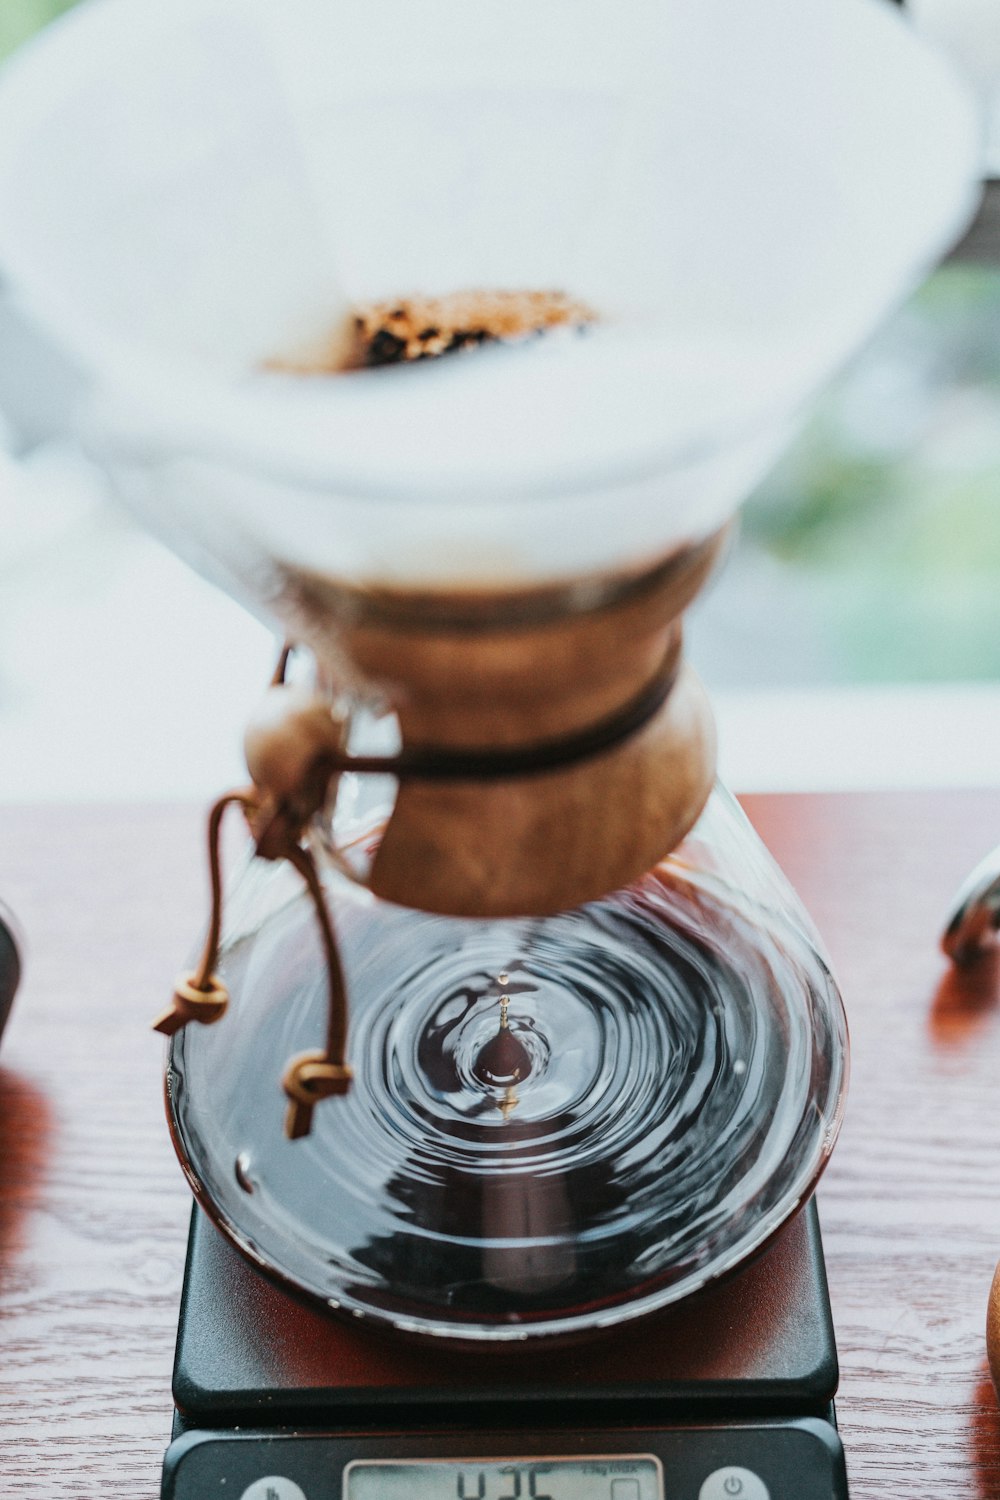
x=873 y=551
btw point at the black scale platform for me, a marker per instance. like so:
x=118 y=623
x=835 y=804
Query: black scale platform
x=727 y=1396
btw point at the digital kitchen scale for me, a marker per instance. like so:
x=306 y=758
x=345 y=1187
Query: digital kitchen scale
x=726 y=1396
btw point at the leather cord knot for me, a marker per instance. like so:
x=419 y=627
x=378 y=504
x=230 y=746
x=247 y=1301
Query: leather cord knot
x=308 y=1079
x=205 y=1002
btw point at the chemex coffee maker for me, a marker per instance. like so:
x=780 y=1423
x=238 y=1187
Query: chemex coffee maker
x=510 y=1062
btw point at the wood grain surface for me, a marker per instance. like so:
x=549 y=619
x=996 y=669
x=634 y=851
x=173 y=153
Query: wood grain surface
x=93 y=1208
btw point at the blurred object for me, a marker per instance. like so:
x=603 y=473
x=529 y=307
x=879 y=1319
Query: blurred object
x=969 y=32
x=10 y=966
x=993 y=1330
x=976 y=913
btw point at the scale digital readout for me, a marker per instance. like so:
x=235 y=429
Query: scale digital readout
x=611 y=1477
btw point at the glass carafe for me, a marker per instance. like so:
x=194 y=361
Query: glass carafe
x=555 y=1123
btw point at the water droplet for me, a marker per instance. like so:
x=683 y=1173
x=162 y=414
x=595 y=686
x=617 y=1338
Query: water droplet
x=739 y=1067
x=503 y=977
x=502 y=1060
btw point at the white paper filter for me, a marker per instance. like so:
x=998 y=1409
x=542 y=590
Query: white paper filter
x=741 y=190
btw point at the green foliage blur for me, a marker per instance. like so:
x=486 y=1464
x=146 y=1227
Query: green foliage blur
x=888 y=506
x=20 y=18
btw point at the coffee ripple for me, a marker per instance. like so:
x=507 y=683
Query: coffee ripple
x=683 y=1067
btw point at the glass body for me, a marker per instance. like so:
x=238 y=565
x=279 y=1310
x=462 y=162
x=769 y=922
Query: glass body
x=663 y=1096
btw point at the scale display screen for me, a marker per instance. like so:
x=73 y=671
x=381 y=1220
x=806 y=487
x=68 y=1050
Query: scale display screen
x=616 y=1477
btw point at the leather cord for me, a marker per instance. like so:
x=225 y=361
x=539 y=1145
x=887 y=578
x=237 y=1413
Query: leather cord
x=429 y=763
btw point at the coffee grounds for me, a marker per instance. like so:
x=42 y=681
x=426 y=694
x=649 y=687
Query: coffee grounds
x=414 y=328
x=390 y=333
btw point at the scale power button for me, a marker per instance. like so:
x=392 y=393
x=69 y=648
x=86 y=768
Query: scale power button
x=733 y=1484
x=274 y=1487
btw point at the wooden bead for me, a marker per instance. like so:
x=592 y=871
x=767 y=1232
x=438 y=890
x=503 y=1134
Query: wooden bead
x=291 y=745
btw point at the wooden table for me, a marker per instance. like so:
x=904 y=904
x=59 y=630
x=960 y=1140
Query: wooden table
x=93 y=1208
